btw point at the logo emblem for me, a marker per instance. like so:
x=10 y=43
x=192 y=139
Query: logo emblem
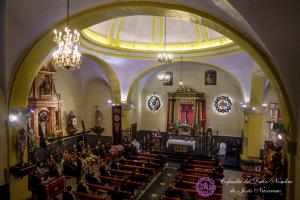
x=205 y=187
x=154 y=103
x=223 y=104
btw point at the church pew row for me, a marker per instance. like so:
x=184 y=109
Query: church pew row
x=142 y=177
x=86 y=196
x=113 y=181
x=192 y=192
x=188 y=184
x=140 y=163
x=193 y=166
x=206 y=162
x=108 y=189
x=147 y=158
x=159 y=156
x=142 y=170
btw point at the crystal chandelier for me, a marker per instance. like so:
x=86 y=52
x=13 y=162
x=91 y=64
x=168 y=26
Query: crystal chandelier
x=67 y=56
x=164 y=76
x=165 y=58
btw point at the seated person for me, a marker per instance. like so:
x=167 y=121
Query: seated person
x=189 y=160
x=134 y=177
x=136 y=144
x=126 y=187
x=81 y=187
x=115 y=195
x=67 y=195
x=92 y=179
x=114 y=165
x=53 y=171
x=103 y=171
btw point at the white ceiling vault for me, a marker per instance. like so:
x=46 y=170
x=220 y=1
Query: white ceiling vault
x=239 y=65
x=144 y=32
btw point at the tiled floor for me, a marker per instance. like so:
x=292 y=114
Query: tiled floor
x=157 y=189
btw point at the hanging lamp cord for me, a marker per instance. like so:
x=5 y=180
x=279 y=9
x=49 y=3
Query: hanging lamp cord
x=68 y=12
x=181 y=69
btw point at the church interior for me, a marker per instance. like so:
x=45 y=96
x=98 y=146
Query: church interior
x=149 y=100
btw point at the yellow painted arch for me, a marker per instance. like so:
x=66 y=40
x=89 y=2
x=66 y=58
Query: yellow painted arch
x=112 y=77
x=152 y=68
x=44 y=44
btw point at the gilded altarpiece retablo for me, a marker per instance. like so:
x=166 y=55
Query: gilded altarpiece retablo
x=45 y=104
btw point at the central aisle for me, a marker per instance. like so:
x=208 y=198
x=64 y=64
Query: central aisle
x=158 y=187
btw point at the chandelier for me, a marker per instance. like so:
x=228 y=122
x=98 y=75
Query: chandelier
x=67 y=56
x=165 y=58
x=164 y=76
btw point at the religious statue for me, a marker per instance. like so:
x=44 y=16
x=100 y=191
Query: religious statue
x=21 y=144
x=45 y=87
x=271 y=161
x=98 y=117
x=71 y=123
x=98 y=121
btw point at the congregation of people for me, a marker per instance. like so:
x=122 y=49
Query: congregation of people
x=102 y=171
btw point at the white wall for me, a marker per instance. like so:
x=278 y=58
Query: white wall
x=80 y=91
x=193 y=76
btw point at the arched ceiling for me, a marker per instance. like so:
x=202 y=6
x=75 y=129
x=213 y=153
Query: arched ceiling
x=147 y=33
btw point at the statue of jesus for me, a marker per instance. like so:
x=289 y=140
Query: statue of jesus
x=98 y=117
x=21 y=143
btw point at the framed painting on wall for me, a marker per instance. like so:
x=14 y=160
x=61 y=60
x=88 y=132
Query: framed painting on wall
x=210 y=77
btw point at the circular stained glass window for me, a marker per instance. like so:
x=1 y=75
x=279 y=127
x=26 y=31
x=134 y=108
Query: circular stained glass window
x=223 y=104
x=154 y=103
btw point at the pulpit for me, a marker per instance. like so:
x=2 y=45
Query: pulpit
x=54 y=187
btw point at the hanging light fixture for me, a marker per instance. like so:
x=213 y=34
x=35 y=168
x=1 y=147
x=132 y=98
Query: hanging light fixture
x=165 y=58
x=67 y=56
x=181 y=82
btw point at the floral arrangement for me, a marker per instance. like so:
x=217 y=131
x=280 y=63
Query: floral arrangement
x=32 y=146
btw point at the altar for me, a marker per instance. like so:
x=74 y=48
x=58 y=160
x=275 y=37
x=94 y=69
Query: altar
x=181 y=143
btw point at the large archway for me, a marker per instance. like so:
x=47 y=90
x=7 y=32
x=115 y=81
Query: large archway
x=43 y=45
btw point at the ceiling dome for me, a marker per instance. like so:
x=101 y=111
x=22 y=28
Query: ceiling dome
x=147 y=33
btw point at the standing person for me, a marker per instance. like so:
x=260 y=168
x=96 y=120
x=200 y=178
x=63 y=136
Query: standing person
x=67 y=195
x=79 y=167
x=81 y=187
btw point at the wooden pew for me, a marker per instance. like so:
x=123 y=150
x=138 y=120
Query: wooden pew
x=192 y=185
x=193 y=166
x=206 y=162
x=193 y=191
x=123 y=172
x=148 y=170
x=87 y=196
x=120 y=180
x=141 y=162
x=109 y=189
x=146 y=158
